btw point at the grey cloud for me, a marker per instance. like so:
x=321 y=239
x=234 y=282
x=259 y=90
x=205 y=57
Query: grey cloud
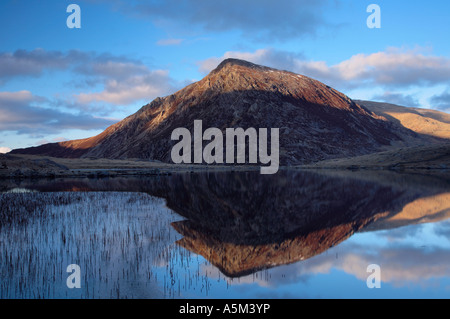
x=124 y=80
x=441 y=101
x=107 y=65
x=22 y=112
x=35 y=62
x=255 y=19
x=398 y=99
x=443 y=229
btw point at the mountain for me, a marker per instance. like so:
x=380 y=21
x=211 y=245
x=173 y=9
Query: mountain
x=315 y=121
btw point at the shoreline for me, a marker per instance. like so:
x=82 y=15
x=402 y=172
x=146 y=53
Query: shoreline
x=415 y=160
x=136 y=172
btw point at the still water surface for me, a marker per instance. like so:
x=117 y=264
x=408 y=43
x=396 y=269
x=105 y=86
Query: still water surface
x=227 y=235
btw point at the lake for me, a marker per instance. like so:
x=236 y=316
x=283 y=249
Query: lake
x=296 y=234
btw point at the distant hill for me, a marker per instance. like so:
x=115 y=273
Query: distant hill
x=434 y=156
x=422 y=121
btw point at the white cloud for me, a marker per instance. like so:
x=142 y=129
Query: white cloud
x=393 y=67
x=130 y=89
x=20 y=97
x=268 y=57
x=4 y=150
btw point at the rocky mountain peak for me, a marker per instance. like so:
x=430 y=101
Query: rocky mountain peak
x=233 y=63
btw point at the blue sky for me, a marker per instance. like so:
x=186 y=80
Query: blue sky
x=58 y=83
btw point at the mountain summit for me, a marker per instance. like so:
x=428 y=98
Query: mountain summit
x=315 y=121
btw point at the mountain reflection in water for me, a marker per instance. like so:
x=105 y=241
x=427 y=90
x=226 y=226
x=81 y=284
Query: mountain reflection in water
x=243 y=222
